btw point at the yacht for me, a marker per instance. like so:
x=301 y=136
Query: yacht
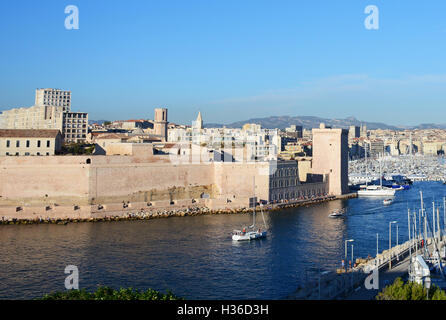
x=374 y=190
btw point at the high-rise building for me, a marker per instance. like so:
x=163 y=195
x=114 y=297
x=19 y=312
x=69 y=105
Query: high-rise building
x=53 y=97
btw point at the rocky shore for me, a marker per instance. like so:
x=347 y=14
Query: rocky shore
x=156 y=214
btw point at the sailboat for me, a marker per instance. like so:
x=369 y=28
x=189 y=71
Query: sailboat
x=250 y=233
x=373 y=190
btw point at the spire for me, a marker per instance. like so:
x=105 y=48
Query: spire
x=199 y=122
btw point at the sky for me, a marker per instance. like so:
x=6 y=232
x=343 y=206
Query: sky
x=231 y=60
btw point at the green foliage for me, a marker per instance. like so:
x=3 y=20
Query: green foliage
x=78 y=149
x=410 y=291
x=107 y=293
x=106 y=123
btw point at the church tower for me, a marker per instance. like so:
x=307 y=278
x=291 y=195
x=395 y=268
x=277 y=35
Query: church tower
x=160 y=126
x=198 y=124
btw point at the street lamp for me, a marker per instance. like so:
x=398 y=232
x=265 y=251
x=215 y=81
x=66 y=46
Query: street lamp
x=353 y=263
x=390 y=243
x=377 y=251
x=350 y=240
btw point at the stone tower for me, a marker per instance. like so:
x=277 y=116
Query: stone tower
x=160 y=126
x=330 y=156
x=198 y=124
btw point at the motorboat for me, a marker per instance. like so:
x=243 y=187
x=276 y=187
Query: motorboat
x=388 y=202
x=337 y=213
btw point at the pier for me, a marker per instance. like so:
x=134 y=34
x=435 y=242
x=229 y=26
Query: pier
x=349 y=284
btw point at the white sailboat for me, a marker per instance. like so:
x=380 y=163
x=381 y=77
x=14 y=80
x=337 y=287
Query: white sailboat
x=373 y=190
x=245 y=235
x=253 y=234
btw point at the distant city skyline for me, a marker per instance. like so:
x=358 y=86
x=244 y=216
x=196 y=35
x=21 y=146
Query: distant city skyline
x=230 y=60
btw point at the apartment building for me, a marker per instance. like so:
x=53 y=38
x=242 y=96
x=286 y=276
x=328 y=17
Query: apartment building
x=53 y=97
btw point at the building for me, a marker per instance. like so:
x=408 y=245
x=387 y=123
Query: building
x=75 y=127
x=295 y=130
x=376 y=148
x=330 y=156
x=198 y=124
x=53 y=97
x=29 y=142
x=354 y=132
x=160 y=126
x=52 y=111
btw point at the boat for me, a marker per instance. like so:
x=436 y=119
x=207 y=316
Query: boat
x=251 y=233
x=376 y=190
x=337 y=213
x=243 y=235
x=387 y=201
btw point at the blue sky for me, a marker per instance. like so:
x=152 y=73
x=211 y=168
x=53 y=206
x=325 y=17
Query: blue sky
x=231 y=60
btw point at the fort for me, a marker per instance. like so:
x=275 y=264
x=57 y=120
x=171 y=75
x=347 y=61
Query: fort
x=134 y=177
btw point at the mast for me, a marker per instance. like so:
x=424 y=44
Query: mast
x=366 y=167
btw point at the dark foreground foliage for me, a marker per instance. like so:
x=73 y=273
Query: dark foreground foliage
x=107 y=293
x=410 y=291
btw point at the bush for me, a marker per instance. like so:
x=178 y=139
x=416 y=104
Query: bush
x=410 y=291
x=78 y=148
x=107 y=293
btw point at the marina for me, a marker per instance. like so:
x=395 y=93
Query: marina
x=195 y=257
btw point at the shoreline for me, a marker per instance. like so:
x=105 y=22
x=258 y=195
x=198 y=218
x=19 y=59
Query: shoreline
x=165 y=213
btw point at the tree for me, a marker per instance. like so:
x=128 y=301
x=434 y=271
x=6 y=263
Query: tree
x=410 y=291
x=107 y=293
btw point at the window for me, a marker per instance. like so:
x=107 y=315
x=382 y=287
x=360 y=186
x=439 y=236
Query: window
x=38 y=143
x=8 y=143
x=47 y=153
x=17 y=143
x=38 y=153
x=48 y=143
x=7 y=153
x=26 y=153
x=27 y=143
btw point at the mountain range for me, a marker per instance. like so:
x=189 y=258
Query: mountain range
x=308 y=122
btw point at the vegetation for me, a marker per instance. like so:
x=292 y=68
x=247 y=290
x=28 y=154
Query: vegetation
x=78 y=148
x=410 y=291
x=106 y=123
x=107 y=293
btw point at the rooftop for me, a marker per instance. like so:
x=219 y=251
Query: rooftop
x=28 y=133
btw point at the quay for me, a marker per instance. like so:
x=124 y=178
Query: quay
x=141 y=211
x=350 y=285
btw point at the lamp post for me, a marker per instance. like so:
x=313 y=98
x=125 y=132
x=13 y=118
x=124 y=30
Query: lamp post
x=397 y=255
x=350 y=240
x=390 y=243
x=353 y=263
x=377 y=251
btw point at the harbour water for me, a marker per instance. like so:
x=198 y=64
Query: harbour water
x=195 y=257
